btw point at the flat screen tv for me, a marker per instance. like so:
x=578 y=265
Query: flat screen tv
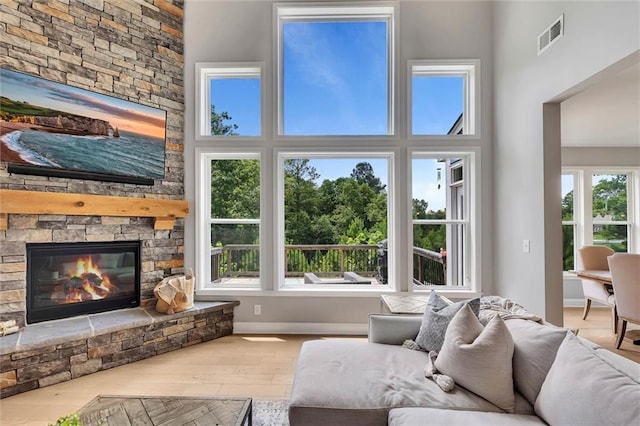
x=53 y=129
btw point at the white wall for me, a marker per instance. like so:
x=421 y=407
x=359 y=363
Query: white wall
x=613 y=157
x=526 y=164
x=228 y=31
x=604 y=114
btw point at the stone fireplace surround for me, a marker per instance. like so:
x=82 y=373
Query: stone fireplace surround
x=52 y=352
x=45 y=217
x=127 y=49
x=55 y=351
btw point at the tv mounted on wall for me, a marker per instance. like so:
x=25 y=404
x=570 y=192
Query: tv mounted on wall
x=53 y=129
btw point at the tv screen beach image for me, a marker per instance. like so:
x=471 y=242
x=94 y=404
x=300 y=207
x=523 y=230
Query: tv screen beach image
x=56 y=126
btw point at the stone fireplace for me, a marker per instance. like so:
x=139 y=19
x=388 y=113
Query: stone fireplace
x=69 y=279
x=45 y=221
x=131 y=50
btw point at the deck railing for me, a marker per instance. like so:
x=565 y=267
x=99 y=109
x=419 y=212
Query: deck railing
x=367 y=260
x=429 y=267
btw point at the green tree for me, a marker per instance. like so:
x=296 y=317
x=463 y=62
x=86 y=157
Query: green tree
x=235 y=195
x=301 y=200
x=610 y=200
x=428 y=237
x=610 y=197
x=363 y=173
x=567 y=206
x=220 y=125
x=420 y=208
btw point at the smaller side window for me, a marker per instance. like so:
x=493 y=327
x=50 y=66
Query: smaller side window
x=442 y=98
x=610 y=211
x=569 y=222
x=440 y=186
x=230 y=100
x=234 y=220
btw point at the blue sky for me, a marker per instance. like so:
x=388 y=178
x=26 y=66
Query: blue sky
x=335 y=78
x=436 y=104
x=240 y=97
x=335 y=83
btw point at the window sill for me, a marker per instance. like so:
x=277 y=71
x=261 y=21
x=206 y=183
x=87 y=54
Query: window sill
x=206 y=294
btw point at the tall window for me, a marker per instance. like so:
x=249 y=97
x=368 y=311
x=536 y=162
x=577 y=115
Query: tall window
x=440 y=220
x=335 y=70
x=234 y=220
x=569 y=222
x=335 y=214
x=330 y=196
x=599 y=207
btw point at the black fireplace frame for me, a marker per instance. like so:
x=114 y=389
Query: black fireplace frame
x=37 y=314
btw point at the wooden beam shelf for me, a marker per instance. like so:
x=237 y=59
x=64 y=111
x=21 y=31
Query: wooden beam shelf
x=36 y=202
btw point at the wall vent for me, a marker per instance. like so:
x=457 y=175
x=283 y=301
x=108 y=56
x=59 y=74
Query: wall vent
x=552 y=33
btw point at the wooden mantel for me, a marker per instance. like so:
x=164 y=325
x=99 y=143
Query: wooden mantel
x=36 y=202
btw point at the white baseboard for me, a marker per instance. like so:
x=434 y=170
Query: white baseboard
x=579 y=303
x=573 y=303
x=299 y=328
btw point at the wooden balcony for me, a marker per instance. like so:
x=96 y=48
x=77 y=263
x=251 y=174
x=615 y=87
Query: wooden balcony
x=236 y=261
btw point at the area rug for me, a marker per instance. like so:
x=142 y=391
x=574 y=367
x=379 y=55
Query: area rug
x=270 y=412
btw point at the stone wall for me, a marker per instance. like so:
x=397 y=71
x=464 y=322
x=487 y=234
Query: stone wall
x=58 y=359
x=129 y=49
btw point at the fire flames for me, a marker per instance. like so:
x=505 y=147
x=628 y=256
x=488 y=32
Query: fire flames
x=87 y=282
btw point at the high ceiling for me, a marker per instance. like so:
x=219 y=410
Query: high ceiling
x=606 y=114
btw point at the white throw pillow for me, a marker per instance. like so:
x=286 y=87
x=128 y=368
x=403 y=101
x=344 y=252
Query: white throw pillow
x=479 y=358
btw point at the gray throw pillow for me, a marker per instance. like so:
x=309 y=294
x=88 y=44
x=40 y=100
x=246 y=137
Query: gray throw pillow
x=437 y=316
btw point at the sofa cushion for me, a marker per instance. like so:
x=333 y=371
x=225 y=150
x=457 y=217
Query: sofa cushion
x=351 y=382
x=437 y=316
x=438 y=416
x=583 y=388
x=479 y=358
x=535 y=347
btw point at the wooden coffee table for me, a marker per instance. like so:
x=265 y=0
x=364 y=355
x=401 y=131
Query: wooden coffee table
x=166 y=410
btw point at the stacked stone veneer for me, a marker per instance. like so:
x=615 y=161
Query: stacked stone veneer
x=50 y=363
x=129 y=49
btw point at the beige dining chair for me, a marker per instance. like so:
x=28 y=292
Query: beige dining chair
x=594 y=258
x=625 y=275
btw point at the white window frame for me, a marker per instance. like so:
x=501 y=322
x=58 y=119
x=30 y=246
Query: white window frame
x=576 y=222
x=204 y=220
x=471 y=208
x=628 y=223
x=469 y=70
x=583 y=202
x=399 y=145
x=292 y=12
x=207 y=71
x=281 y=157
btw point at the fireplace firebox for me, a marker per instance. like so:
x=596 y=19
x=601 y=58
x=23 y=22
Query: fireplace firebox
x=70 y=279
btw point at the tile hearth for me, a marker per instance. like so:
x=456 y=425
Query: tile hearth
x=56 y=351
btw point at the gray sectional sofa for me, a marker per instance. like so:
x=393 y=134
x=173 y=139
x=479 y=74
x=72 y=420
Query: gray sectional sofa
x=559 y=379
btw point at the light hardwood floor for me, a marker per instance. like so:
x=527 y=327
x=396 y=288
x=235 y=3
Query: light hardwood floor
x=256 y=366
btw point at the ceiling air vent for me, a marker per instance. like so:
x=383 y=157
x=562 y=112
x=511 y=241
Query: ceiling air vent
x=551 y=34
